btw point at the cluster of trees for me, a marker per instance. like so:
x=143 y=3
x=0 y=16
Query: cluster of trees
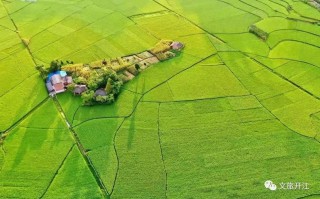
x=258 y=32
x=109 y=81
x=94 y=79
x=55 y=65
x=43 y=71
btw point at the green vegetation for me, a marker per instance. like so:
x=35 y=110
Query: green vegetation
x=239 y=105
x=38 y=155
x=259 y=147
x=100 y=82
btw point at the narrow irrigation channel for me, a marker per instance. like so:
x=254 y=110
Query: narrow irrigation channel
x=94 y=172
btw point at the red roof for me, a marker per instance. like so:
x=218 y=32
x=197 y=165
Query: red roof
x=59 y=87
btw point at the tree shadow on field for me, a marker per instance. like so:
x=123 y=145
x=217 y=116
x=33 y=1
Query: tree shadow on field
x=37 y=131
x=131 y=129
x=32 y=139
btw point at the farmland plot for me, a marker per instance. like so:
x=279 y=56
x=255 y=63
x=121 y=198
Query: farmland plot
x=284 y=99
x=228 y=146
x=141 y=171
x=97 y=137
x=295 y=51
x=74 y=174
x=16 y=70
x=215 y=16
x=213 y=79
x=33 y=154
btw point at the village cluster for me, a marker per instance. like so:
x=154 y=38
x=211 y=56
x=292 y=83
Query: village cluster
x=101 y=80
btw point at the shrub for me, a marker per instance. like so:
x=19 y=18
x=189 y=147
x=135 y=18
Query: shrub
x=258 y=32
x=55 y=66
x=88 y=98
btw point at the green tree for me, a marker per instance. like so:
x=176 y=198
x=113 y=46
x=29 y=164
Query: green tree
x=71 y=87
x=80 y=80
x=101 y=99
x=55 y=66
x=88 y=98
x=116 y=87
x=110 y=98
x=109 y=86
x=137 y=66
x=92 y=84
x=43 y=72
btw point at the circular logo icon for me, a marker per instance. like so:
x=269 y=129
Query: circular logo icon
x=270 y=185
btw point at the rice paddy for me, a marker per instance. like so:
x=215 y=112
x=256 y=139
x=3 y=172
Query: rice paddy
x=238 y=106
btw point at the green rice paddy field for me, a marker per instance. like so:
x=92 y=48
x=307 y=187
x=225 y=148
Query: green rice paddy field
x=230 y=112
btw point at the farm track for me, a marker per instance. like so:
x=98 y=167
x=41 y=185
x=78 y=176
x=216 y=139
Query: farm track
x=161 y=151
x=81 y=148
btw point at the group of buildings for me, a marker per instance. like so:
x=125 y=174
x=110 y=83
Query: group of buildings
x=128 y=67
x=57 y=82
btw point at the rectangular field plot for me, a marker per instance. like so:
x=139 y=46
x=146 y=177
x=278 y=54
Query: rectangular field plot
x=141 y=172
x=199 y=82
x=227 y=149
